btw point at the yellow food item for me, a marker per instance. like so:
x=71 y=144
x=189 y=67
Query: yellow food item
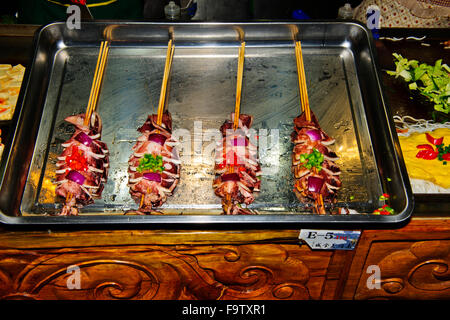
x=434 y=170
x=10 y=82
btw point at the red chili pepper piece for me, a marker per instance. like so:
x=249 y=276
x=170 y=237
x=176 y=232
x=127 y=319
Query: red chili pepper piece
x=77 y=160
x=427 y=154
x=446 y=157
x=221 y=165
x=435 y=141
x=425 y=146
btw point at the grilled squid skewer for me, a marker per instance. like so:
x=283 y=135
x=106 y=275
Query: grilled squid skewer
x=316 y=175
x=154 y=166
x=82 y=168
x=237 y=167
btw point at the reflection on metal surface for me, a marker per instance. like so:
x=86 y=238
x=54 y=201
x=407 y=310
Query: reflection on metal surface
x=201 y=91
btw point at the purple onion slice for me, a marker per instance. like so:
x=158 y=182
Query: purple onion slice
x=315 y=184
x=230 y=177
x=75 y=176
x=152 y=176
x=314 y=134
x=158 y=138
x=240 y=142
x=84 y=139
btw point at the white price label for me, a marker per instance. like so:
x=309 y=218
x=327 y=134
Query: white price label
x=330 y=239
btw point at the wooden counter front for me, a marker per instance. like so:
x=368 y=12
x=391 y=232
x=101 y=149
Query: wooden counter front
x=137 y=264
x=215 y=264
x=413 y=262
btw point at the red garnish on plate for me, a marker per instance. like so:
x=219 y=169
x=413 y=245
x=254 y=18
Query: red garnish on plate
x=435 y=141
x=425 y=146
x=427 y=154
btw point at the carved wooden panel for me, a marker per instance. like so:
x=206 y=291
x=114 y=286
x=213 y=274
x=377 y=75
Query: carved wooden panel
x=408 y=270
x=251 y=271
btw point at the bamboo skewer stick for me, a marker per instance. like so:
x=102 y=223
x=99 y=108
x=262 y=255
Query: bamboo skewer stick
x=240 y=74
x=299 y=75
x=302 y=81
x=100 y=78
x=69 y=196
x=94 y=83
x=319 y=204
x=97 y=81
x=237 y=106
x=167 y=68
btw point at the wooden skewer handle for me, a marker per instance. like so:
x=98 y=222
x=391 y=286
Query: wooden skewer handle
x=167 y=68
x=302 y=81
x=240 y=74
x=97 y=81
x=100 y=77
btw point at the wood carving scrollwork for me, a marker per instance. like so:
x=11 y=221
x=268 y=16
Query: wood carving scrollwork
x=113 y=273
x=431 y=275
x=159 y=272
x=5 y=283
x=256 y=271
x=11 y=262
x=418 y=271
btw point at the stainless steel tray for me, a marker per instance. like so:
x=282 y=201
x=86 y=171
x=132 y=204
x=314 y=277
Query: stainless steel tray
x=344 y=92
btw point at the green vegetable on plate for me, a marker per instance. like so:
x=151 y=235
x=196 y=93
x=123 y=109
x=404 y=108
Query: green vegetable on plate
x=433 y=82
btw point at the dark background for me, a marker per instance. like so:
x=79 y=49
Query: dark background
x=227 y=10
